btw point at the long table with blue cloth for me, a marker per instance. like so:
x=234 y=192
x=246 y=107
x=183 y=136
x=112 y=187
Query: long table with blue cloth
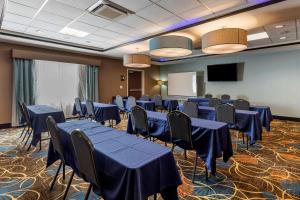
x=246 y=121
x=130 y=168
x=215 y=138
x=265 y=113
x=103 y=112
x=147 y=105
x=38 y=115
x=169 y=104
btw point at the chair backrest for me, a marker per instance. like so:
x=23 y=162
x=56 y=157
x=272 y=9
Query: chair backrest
x=145 y=98
x=139 y=118
x=78 y=106
x=130 y=103
x=213 y=102
x=90 y=108
x=225 y=97
x=84 y=151
x=241 y=104
x=55 y=137
x=225 y=113
x=26 y=114
x=208 y=96
x=158 y=100
x=191 y=109
x=119 y=102
x=180 y=127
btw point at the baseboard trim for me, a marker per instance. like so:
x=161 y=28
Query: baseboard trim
x=295 y=119
x=7 y=125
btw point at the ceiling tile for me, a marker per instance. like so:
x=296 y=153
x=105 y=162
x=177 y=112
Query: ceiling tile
x=94 y=20
x=179 y=6
x=288 y=27
x=52 y=18
x=133 y=5
x=135 y=22
x=284 y=38
x=219 y=5
x=154 y=13
x=81 y=4
x=170 y=22
x=13 y=26
x=31 y=3
x=110 y=34
x=17 y=19
x=195 y=13
x=46 y=26
x=260 y=42
x=116 y=27
x=83 y=27
x=19 y=9
x=62 y=9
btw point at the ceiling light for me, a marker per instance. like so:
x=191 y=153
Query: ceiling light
x=136 y=60
x=73 y=32
x=170 y=46
x=257 y=36
x=283 y=38
x=39 y=31
x=279 y=26
x=223 y=41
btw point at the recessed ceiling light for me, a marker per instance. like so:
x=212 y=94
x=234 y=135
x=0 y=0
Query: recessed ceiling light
x=73 y=32
x=39 y=31
x=283 y=38
x=257 y=36
x=279 y=26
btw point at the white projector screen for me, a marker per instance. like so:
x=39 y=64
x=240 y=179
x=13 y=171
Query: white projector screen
x=182 y=84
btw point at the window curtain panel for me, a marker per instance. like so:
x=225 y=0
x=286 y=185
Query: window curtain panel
x=24 y=86
x=89 y=83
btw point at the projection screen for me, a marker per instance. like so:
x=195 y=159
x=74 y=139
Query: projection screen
x=182 y=84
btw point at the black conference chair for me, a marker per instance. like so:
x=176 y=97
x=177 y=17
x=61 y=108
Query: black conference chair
x=59 y=149
x=181 y=134
x=119 y=102
x=191 y=109
x=28 y=124
x=213 y=102
x=208 y=96
x=158 y=103
x=23 y=118
x=225 y=97
x=90 y=110
x=226 y=113
x=145 y=98
x=139 y=121
x=241 y=104
x=78 y=108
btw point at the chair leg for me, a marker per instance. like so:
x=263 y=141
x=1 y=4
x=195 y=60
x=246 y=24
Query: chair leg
x=243 y=138
x=64 y=171
x=206 y=173
x=195 y=167
x=28 y=137
x=247 y=141
x=41 y=143
x=173 y=146
x=68 y=186
x=237 y=140
x=54 y=179
x=26 y=133
x=22 y=132
x=155 y=196
x=88 y=192
x=166 y=144
x=185 y=156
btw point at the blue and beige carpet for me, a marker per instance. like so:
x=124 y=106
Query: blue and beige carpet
x=268 y=170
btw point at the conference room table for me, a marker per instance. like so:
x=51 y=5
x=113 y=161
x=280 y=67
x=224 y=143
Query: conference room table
x=38 y=115
x=265 y=113
x=102 y=111
x=169 y=104
x=147 y=105
x=131 y=168
x=211 y=139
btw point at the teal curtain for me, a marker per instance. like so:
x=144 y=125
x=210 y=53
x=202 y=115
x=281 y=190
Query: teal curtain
x=24 y=85
x=92 y=74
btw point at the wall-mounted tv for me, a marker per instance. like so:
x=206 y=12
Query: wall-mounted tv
x=225 y=72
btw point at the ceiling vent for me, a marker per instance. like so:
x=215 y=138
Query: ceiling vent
x=109 y=10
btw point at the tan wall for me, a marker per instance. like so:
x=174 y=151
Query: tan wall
x=109 y=74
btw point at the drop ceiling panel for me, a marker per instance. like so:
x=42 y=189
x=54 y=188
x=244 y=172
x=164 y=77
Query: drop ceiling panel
x=288 y=27
x=94 y=20
x=195 y=13
x=260 y=42
x=81 y=4
x=52 y=18
x=170 y=22
x=285 y=38
x=83 y=27
x=116 y=27
x=13 y=26
x=176 y=6
x=31 y=3
x=135 y=22
x=154 y=13
x=133 y=5
x=19 y=9
x=110 y=34
x=219 y=5
x=17 y=19
x=62 y=9
x=46 y=26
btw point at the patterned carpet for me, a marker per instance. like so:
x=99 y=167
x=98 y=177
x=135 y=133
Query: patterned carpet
x=268 y=170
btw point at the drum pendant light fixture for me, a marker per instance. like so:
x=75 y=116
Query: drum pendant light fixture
x=170 y=46
x=223 y=41
x=137 y=60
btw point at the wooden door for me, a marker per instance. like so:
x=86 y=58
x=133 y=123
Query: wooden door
x=135 y=84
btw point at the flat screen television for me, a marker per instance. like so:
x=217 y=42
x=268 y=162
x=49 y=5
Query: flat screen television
x=224 y=72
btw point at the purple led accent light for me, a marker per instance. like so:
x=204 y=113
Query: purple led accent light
x=184 y=23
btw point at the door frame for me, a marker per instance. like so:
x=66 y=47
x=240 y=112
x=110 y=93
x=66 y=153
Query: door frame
x=143 y=79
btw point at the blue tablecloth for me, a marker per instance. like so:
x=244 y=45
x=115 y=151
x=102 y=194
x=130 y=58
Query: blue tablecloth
x=130 y=168
x=170 y=104
x=204 y=101
x=103 y=112
x=147 y=105
x=216 y=140
x=38 y=115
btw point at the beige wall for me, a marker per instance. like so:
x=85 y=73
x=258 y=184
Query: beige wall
x=109 y=74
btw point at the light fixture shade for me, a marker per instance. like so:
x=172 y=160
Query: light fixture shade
x=170 y=46
x=226 y=40
x=136 y=60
